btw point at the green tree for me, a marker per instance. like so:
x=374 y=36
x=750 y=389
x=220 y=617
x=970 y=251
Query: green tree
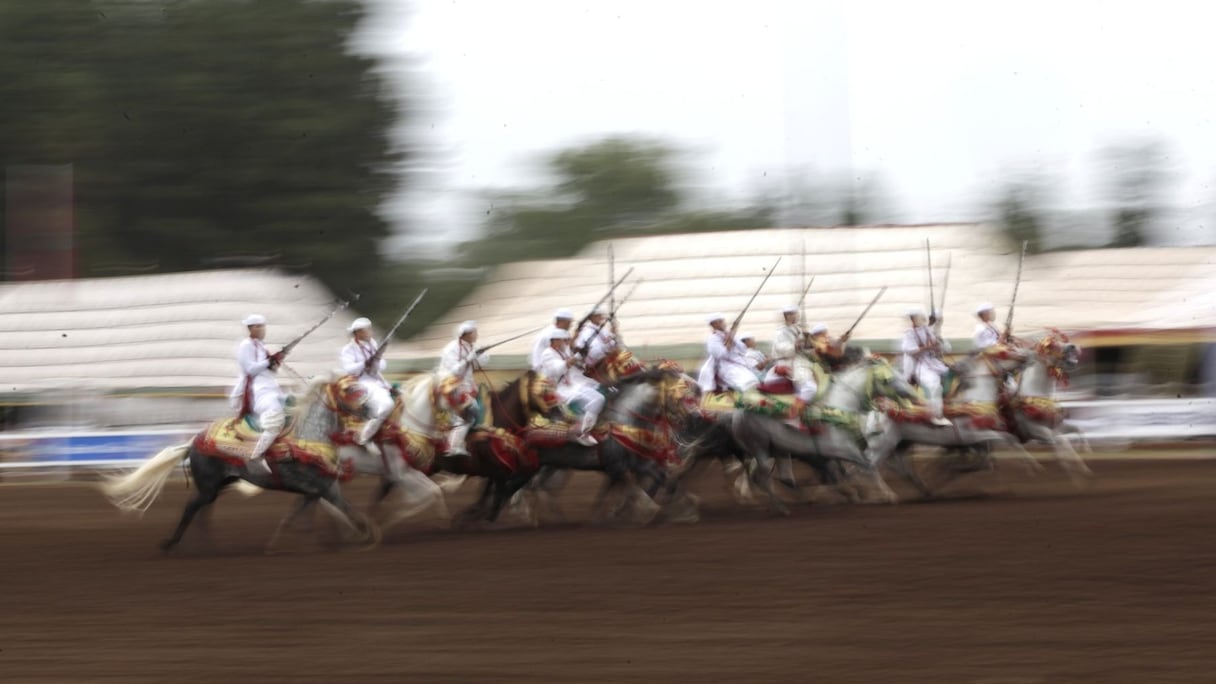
x=1020 y=213
x=202 y=131
x=615 y=187
x=1137 y=173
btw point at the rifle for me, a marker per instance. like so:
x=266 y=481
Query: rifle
x=932 y=299
x=292 y=344
x=1013 y=300
x=849 y=332
x=611 y=278
x=734 y=327
x=942 y=309
x=802 y=299
x=375 y=357
x=481 y=350
x=602 y=300
x=582 y=351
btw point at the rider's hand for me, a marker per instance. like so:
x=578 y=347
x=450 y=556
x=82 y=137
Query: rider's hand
x=845 y=338
x=276 y=360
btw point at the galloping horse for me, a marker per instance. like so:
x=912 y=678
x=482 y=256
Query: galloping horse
x=1036 y=415
x=410 y=440
x=302 y=460
x=634 y=433
x=497 y=450
x=973 y=411
x=836 y=425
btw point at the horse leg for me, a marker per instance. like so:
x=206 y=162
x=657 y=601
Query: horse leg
x=204 y=498
x=210 y=477
x=369 y=533
x=303 y=504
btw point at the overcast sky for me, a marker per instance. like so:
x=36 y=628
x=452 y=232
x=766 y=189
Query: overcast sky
x=939 y=98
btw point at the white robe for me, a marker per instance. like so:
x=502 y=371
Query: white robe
x=729 y=365
x=599 y=346
x=458 y=360
x=924 y=365
x=985 y=336
x=254 y=362
x=353 y=361
x=571 y=384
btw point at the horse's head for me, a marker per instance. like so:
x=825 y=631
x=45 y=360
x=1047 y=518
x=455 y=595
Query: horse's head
x=1058 y=352
x=346 y=396
x=885 y=382
x=540 y=393
x=453 y=396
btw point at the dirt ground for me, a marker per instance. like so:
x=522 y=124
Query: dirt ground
x=1036 y=582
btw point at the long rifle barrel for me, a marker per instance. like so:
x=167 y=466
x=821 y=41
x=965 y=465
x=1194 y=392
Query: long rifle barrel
x=866 y=310
x=734 y=327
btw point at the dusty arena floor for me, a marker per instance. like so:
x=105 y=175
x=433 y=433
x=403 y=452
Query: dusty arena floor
x=1036 y=583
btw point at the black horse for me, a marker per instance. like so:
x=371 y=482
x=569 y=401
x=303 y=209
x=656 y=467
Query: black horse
x=317 y=419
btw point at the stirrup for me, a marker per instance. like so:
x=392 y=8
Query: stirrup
x=941 y=421
x=586 y=439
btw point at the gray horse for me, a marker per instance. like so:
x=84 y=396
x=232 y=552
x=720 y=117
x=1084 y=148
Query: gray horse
x=838 y=421
x=315 y=418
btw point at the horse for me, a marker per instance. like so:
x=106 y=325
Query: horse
x=836 y=425
x=409 y=442
x=302 y=460
x=497 y=451
x=972 y=409
x=634 y=433
x=1036 y=415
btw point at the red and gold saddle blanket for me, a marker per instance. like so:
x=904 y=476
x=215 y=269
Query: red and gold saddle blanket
x=233 y=439
x=510 y=451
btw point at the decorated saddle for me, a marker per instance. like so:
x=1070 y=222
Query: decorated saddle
x=233 y=439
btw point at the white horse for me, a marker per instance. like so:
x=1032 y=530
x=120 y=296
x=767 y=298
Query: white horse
x=837 y=422
x=405 y=446
x=973 y=411
x=1037 y=415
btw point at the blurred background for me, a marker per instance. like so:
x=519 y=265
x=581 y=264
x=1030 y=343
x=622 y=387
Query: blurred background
x=170 y=167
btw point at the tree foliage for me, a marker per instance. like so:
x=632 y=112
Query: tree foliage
x=1021 y=215
x=202 y=131
x=615 y=187
x=1136 y=175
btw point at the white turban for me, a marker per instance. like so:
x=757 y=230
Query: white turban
x=715 y=317
x=600 y=311
x=359 y=324
x=254 y=319
x=746 y=336
x=986 y=306
x=466 y=327
x=819 y=328
x=559 y=334
x=916 y=312
x=789 y=309
x=564 y=314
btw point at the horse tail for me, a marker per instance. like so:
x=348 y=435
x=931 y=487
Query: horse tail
x=135 y=491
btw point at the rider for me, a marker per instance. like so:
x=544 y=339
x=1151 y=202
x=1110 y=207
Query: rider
x=597 y=339
x=257 y=391
x=789 y=342
x=562 y=320
x=986 y=335
x=829 y=352
x=923 y=364
x=356 y=359
x=459 y=359
x=755 y=358
x=562 y=368
x=727 y=362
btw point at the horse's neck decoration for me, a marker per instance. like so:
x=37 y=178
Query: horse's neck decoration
x=426 y=403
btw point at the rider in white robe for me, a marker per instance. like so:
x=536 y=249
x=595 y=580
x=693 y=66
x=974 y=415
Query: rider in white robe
x=459 y=359
x=562 y=320
x=356 y=359
x=561 y=367
x=727 y=360
x=258 y=367
x=923 y=364
x=789 y=343
x=986 y=335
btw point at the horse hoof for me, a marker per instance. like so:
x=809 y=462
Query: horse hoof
x=167 y=546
